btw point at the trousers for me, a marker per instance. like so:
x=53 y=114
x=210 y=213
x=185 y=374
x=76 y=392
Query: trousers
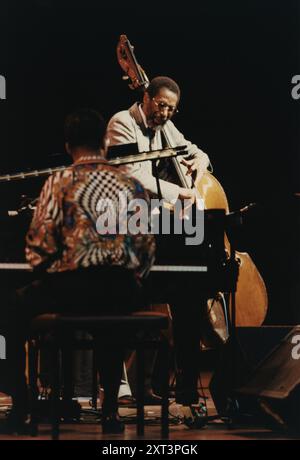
x=87 y=291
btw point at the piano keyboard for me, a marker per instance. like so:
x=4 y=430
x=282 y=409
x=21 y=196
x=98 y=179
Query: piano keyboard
x=15 y=266
x=154 y=268
x=178 y=268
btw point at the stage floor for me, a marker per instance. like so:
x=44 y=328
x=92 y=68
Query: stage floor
x=89 y=427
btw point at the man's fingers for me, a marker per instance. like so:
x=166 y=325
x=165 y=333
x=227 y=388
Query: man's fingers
x=191 y=169
x=186 y=163
x=187 y=194
x=190 y=165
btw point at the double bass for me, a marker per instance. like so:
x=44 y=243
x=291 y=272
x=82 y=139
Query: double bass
x=251 y=298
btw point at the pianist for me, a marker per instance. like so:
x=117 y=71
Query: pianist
x=73 y=263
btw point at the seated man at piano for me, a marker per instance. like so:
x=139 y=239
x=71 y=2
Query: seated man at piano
x=78 y=270
x=149 y=125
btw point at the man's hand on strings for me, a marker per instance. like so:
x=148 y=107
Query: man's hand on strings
x=187 y=194
x=194 y=168
x=188 y=197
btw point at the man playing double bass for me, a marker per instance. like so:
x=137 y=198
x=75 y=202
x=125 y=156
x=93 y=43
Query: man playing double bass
x=149 y=125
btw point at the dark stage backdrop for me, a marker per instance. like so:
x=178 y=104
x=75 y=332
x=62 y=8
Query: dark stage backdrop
x=234 y=62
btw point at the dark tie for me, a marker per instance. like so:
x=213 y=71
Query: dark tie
x=150 y=133
x=165 y=167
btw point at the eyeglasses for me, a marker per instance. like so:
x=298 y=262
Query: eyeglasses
x=162 y=106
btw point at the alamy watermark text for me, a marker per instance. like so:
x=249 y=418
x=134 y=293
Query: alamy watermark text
x=137 y=216
x=296 y=88
x=2 y=347
x=2 y=87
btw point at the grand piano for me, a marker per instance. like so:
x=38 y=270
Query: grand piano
x=175 y=263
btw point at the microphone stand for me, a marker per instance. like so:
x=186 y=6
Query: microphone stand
x=234 y=219
x=234 y=268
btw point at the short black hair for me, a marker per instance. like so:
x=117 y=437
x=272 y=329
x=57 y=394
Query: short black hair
x=162 y=82
x=85 y=128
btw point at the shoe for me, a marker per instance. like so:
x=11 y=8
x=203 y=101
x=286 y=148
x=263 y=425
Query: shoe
x=151 y=399
x=111 y=424
x=127 y=401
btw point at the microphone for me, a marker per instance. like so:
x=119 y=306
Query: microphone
x=248 y=208
x=28 y=204
x=236 y=218
x=12 y=213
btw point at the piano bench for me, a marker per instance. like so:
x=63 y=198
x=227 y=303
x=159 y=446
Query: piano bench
x=137 y=330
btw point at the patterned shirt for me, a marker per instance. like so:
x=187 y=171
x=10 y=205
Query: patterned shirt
x=63 y=234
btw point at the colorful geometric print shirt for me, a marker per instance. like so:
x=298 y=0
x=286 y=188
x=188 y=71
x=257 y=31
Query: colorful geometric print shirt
x=63 y=234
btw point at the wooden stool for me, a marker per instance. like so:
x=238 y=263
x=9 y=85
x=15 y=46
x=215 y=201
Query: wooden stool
x=138 y=329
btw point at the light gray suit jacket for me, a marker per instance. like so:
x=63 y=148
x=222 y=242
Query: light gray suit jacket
x=128 y=127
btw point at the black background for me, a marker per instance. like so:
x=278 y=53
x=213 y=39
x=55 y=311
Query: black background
x=234 y=62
